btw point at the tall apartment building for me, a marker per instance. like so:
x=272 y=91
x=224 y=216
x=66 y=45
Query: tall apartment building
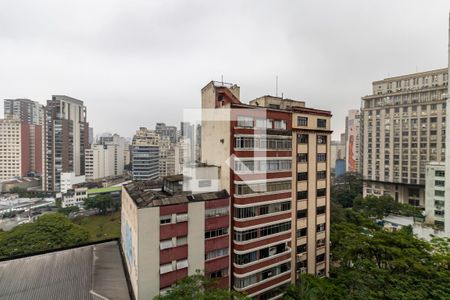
x=145 y=161
x=337 y=151
x=100 y=161
x=353 y=141
x=403 y=129
x=168 y=234
x=166 y=157
x=437 y=210
x=66 y=139
x=167 y=131
x=274 y=160
x=25 y=110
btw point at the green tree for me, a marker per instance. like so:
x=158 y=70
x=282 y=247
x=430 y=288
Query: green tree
x=102 y=203
x=67 y=210
x=199 y=287
x=48 y=232
x=346 y=188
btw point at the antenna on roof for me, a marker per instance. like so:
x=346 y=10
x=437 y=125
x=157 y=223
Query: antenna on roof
x=222 y=79
x=276 y=86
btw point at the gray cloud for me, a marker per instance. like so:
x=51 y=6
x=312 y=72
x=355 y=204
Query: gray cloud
x=135 y=63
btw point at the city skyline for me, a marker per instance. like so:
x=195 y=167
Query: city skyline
x=113 y=54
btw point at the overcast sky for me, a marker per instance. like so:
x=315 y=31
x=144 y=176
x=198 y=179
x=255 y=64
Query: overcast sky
x=135 y=63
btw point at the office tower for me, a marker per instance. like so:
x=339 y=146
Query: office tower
x=168 y=234
x=353 y=141
x=118 y=144
x=67 y=137
x=145 y=162
x=403 y=129
x=337 y=153
x=167 y=131
x=279 y=185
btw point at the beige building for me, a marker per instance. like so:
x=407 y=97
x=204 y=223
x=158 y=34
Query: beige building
x=353 y=141
x=404 y=123
x=10 y=149
x=100 y=161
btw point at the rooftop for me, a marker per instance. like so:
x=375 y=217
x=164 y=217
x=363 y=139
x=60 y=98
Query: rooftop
x=151 y=194
x=88 y=272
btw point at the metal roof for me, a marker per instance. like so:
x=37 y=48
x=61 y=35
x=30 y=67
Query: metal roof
x=90 y=272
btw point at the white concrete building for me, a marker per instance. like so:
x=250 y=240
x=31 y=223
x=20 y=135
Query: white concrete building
x=74 y=197
x=435 y=207
x=69 y=179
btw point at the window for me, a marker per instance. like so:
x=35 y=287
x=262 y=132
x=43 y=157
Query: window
x=216 y=212
x=242 y=259
x=279 y=124
x=243 y=121
x=302 y=213
x=263 y=187
x=439 y=183
x=302 y=232
x=302 y=121
x=320 y=227
x=439 y=173
x=216 y=233
x=301 y=195
x=303 y=157
x=248 y=212
x=274 y=229
x=165 y=219
x=321 y=139
x=320 y=258
x=302 y=139
x=321 y=157
x=182 y=217
x=321 y=192
x=219 y=274
x=165 y=244
x=181 y=240
x=302 y=176
x=301 y=249
x=181 y=264
x=320 y=243
x=163 y=269
x=321 y=175
x=261 y=123
x=321 y=123
x=216 y=253
x=439 y=193
x=320 y=210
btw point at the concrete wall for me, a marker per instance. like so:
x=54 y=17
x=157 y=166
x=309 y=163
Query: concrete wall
x=196 y=237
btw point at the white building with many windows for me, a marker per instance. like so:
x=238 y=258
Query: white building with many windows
x=435 y=203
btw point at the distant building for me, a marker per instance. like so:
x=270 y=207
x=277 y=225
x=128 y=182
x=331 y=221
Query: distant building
x=74 y=197
x=340 y=167
x=437 y=208
x=168 y=234
x=20 y=149
x=167 y=131
x=25 y=110
x=353 y=141
x=68 y=179
x=403 y=121
x=67 y=138
x=337 y=149
x=145 y=156
x=107 y=158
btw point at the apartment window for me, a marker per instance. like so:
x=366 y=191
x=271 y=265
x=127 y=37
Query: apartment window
x=165 y=219
x=264 y=187
x=216 y=253
x=245 y=212
x=243 y=121
x=245 y=235
x=216 y=212
x=182 y=217
x=321 y=139
x=280 y=124
x=274 y=229
x=301 y=249
x=320 y=227
x=243 y=259
x=181 y=264
x=302 y=213
x=321 y=192
x=439 y=173
x=165 y=244
x=166 y=268
x=321 y=157
x=302 y=139
x=301 y=195
x=301 y=232
x=219 y=274
x=302 y=121
x=320 y=258
x=181 y=240
x=216 y=233
x=439 y=193
x=439 y=183
x=320 y=243
x=321 y=175
x=320 y=210
x=302 y=176
x=303 y=157
x=321 y=123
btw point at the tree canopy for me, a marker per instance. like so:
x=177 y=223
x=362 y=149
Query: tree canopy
x=103 y=203
x=48 y=232
x=346 y=188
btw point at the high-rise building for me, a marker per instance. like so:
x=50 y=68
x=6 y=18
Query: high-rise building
x=99 y=162
x=166 y=157
x=167 y=131
x=353 y=141
x=66 y=139
x=337 y=153
x=279 y=183
x=119 y=145
x=25 y=110
x=145 y=161
x=435 y=203
x=403 y=129
x=20 y=149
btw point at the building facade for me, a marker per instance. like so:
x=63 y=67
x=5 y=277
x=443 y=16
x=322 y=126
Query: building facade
x=168 y=234
x=337 y=150
x=66 y=139
x=106 y=158
x=404 y=122
x=352 y=141
x=274 y=159
x=145 y=161
x=169 y=132
x=20 y=149
x=435 y=204
x=25 y=110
